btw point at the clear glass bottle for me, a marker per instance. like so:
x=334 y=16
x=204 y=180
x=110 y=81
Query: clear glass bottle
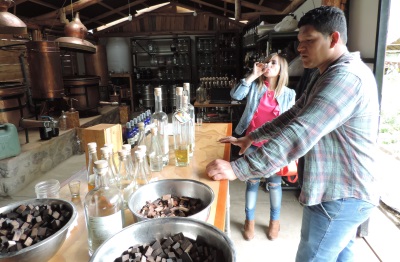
x=126 y=181
x=160 y=120
x=141 y=178
x=141 y=135
x=190 y=110
x=181 y=131
x=103 y=208
x=62 y=121
x=90 y=174
x=201 y=94
x=155 y=152
x=114 y=155
x=191 y=134
x=106 y=155
x=143 y=149
x=128 y=150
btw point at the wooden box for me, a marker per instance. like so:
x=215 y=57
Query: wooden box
x=102 y=134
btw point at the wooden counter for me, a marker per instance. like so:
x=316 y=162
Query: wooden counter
x=75 y=248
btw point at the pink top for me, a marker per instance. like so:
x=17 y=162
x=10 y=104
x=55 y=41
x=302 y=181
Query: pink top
x=267 y=110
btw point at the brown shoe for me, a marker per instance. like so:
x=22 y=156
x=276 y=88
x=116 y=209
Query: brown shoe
x=273 y=229
x=248 y=230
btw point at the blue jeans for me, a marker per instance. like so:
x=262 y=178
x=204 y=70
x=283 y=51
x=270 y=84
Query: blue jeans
x=329 y=229
x=274 y=185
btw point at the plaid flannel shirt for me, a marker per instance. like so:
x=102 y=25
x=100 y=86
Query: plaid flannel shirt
x=334 y=125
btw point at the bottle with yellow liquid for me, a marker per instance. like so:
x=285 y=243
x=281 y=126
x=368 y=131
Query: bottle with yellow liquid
x=181 y=131
x=90 y=173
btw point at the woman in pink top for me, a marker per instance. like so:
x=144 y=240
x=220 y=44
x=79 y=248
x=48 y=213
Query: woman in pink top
x=267 y=97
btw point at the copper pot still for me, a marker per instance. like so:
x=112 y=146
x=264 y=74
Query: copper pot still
x=96 y=64
x=12 y=102
x=45 y=70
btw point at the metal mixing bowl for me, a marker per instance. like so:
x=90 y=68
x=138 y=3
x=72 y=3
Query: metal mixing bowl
x=46 y=248
x=146 y=232
x=176 y=187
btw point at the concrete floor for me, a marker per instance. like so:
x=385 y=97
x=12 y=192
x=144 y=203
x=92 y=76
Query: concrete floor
x=282 y=249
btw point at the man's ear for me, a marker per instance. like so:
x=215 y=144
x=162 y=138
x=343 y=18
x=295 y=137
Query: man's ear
x=335 y=38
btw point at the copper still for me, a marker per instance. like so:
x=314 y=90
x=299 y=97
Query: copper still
x=85 y=89
x=45 y=70
x=12 y=102
x=74 y=39
x=96 y=64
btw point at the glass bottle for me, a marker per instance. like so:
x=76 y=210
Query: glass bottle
x=201 y=95
x=106 y=155
x=129 y=134
x=103 y=207
x=140 y=172
x=91 y=177
x=114 y=156
x=181 y=131
x=160 y=120
x=155 y=152
x=191 y=120
x=190 y=109
x=128 y=150
x=126 y=181
x=146 y=165
x=62 y=121
x=142 y=134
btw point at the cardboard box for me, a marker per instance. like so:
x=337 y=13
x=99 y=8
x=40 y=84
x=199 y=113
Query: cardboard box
x=102 y=134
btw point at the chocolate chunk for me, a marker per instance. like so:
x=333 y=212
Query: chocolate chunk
x=20 y=209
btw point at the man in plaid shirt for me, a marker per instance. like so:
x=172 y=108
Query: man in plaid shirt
x=334 y=125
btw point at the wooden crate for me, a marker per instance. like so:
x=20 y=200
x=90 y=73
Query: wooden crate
x=102 y=134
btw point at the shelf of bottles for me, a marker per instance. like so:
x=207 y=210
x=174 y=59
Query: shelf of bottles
x=161 y=60
x=217 y=55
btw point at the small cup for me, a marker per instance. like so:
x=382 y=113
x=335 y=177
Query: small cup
x=48 y=189
x=74 y=187
x=199 y=120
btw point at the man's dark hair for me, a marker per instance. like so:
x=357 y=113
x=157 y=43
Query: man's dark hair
x=326 y=20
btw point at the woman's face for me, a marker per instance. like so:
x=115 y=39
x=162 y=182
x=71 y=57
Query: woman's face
x=272 y=67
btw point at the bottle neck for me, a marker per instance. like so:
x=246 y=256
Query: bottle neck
x=178 y=102
x=93 y=156
x=157 y=104
x=101 y=180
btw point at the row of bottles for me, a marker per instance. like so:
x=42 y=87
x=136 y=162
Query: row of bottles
x=111 y=184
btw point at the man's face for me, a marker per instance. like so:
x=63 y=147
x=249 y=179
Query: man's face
x=313 y=47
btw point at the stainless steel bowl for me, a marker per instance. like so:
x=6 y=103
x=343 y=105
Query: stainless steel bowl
x=145 y=232
x=46 y=248
x=177 y=187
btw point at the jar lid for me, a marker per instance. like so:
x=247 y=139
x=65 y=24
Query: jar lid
x=100 y=164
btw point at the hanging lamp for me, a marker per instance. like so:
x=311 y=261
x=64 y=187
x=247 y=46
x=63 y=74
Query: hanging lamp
x=74 y=39
x=9 y=23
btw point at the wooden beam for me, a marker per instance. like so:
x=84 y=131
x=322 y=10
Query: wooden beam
x=44 y=4
x=213 y=6
x=116 y=10
x=110 y=8
x=293 y=6
x=255 y=7
x=237 y=10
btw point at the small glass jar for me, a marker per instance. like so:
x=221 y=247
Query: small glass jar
x=48 y=189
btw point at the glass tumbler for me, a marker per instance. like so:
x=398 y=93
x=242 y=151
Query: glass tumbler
x=48 y=189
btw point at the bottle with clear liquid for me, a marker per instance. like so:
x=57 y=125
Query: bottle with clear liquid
x=113 y=155
x=155 y=153
x=106 y=155
x=181 y=131
x=103 y=207
x=128 y=150
x=62 y=121
x=160 y=120
x=140 y=172
x=90 y=174
x=191 y=126
x=190 y=110
x=143 y=149
x=126 y=179
x=142 y=138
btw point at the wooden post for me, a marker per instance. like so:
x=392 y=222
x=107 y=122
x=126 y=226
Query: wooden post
x=237 y=10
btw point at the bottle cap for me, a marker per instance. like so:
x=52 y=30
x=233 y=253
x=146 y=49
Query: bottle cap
x=179 y=91
x=141 y=125
x=142 y=148
x=157 y=91
x=105 y=150
x=127 y=147
x=92 y=145
x=186 y=86
x=121 y=153
x=100 y=164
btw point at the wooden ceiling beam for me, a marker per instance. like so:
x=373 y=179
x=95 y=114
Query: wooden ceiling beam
x=110 y=8
x=116 y=10
x=212 y=6
x=255 y=7
x=44 y=4
x=238 y=10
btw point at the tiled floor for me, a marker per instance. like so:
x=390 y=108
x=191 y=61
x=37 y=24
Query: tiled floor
x=383 y=238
